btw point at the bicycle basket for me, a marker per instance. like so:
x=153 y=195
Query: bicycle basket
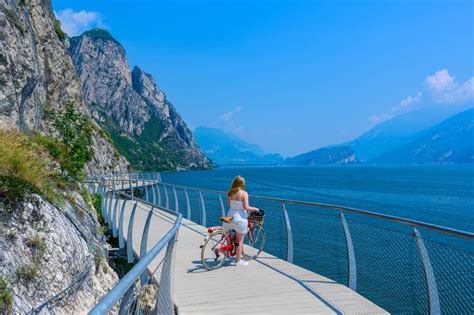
x=257 y=218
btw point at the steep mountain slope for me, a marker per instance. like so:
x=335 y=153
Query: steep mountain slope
x=395 y=132
x=227 y=149
x=37 y=76
x=325 y=156
x=143 y=124
x=451 y=141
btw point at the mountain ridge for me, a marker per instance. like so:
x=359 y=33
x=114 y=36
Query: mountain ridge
x=143 y=124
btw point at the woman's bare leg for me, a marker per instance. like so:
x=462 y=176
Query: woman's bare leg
x=238 y=252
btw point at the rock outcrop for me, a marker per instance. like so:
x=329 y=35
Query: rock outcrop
x=37 y=76
x=144 y=125
x=45 y=251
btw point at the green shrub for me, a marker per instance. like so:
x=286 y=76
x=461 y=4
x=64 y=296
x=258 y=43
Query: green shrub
x=58 y=30
x=51 y=144
x=75 y=136
x=6 y=296
x=20 y=157
x=14 y=188
x=27 y=271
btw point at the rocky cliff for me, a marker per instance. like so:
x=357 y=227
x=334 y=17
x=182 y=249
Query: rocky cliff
x=37 y=76
x=143 y=124
x=47 y=248
x=50 y=258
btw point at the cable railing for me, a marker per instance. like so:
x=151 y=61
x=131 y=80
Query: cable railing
x=147 y=288
x=403 y=265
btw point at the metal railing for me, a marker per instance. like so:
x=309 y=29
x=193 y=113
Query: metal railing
x=147 y=287
x=403 y=265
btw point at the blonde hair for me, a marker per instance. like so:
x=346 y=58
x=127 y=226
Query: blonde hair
x=237 y=184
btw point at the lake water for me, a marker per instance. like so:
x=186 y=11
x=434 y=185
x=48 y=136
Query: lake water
x=389 y=269
x=442 y=195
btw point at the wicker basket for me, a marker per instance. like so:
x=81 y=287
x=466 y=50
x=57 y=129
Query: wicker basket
x=257 y=219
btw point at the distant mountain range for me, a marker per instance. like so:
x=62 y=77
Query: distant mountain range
x=325 y=156
x=227 y=149
x=451 y=141
x=421 y=137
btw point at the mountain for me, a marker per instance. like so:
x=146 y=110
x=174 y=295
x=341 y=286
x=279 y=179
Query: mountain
x=325 y=156
x=143 y=124
x=37 y=78
x=227 y=149
x=451 y=141
x=395 y=132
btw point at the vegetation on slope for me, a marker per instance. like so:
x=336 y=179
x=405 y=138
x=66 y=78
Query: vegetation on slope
x=144 y=152
x=42 y=164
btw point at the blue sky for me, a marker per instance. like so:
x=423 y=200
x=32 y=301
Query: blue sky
x=293 y=76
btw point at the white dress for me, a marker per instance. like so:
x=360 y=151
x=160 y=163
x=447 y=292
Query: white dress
x=239 y=222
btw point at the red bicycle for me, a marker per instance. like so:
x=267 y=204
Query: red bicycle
x=220 y=244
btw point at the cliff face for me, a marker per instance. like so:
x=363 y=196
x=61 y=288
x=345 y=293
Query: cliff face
x=38 y=76
x=144 y=125
x=43 y=253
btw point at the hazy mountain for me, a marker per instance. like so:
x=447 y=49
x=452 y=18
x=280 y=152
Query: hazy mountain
x=451 y=141
x=325 y=156
x=144 y=126
x=227 y=149
x=395 y=132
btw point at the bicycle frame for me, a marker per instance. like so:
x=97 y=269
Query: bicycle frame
x=230 y=240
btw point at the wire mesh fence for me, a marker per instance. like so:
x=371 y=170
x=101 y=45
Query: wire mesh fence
x=404 y=266
x=147 y=287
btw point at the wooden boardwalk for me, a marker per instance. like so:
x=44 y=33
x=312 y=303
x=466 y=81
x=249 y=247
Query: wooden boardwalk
x=267 y=285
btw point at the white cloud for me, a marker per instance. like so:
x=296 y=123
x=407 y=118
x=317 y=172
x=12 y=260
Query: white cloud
x=75 y=23
x=229 y=121
x=440 y=88
x=229 y=116
x=445 y=90
x=410 y=100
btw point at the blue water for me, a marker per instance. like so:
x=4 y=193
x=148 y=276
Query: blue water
x=442 y=195
x=389 y=269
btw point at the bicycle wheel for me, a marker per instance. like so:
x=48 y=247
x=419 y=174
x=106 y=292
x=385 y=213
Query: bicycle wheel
x=211 y=255
x=254 y=242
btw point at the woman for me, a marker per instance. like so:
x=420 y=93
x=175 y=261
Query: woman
x=238 y=202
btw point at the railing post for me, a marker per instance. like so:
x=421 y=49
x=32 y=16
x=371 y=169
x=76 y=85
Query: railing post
x=289 y=235
x=188 y=205
x=164 y=302
x=222 y=206
x=130 y=256
x=350 y=253
x=114 y=218
x=153 y=193
x=143 y=245
x=105 y=202
x=158 y=190
x=167 y=200
x=120 y=229
x=432 y=287
x=109 y=210
x=176 y=205
x=146 y=193
x=203 y=210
